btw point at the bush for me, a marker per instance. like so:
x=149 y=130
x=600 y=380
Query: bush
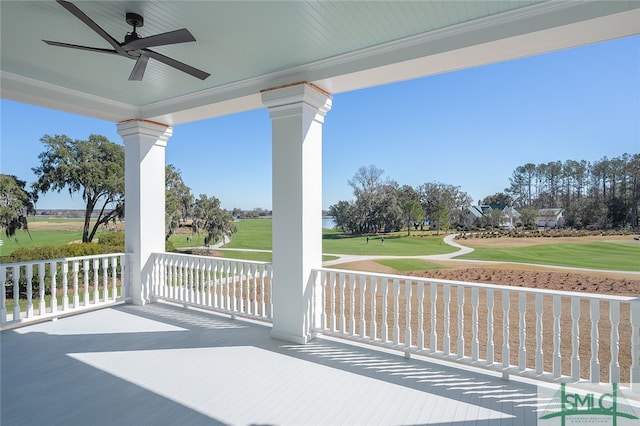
x=112 y=240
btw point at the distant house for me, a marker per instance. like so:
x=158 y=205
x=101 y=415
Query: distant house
x=550 y=218
x=478 y=214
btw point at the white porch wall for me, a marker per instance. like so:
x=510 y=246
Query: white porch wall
x=144 y=145
x=297 y=113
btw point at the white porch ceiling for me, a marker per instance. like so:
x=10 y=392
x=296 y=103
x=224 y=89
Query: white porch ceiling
x=249 y=46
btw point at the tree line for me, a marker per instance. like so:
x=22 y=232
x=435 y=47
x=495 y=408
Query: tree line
x=383 y=205
x=95 y=169
x=602 y=194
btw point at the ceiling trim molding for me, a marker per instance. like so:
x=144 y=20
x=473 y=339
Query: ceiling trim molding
x=27 y=90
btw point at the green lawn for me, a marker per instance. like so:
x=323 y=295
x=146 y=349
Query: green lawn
x=394 y=245
x=38 y=239
x=252 y=234
x=595 y=255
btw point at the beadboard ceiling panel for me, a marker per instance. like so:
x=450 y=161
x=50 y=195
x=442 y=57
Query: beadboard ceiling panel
x=247 y=46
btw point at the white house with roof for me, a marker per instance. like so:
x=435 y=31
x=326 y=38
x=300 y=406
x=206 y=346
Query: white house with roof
x=550 y=218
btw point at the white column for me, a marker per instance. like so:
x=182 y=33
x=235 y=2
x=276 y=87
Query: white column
x=144 y=148
x=297 y=113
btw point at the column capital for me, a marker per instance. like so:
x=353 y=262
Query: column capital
x=297 y=95
x=159 y=131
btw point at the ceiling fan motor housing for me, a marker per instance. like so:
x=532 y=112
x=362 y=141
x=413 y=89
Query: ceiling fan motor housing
x=134 y=20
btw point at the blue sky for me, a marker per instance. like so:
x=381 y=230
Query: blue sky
x=469 y=128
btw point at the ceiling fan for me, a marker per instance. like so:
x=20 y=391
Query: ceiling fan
x=134 y=47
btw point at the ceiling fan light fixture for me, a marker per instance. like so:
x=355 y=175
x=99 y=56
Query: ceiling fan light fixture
x=134 y=46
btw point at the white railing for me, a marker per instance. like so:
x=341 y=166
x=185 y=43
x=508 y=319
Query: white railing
x=234 y=287
x=50 y=288
x=551 y=335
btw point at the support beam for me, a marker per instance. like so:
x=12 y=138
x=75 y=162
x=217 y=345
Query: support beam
x=144 y=150
x=297 y=113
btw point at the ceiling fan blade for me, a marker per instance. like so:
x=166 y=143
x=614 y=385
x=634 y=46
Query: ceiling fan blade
x=177 y=64
x=171 y=37
x=75 y=46
x=138 y=69
x=95 y=27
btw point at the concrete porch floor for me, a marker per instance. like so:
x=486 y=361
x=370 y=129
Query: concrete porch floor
x=160 y=364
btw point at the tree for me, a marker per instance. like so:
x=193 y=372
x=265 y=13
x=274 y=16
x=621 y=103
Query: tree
x=412 y=211
x=178 y=200
x=94 y=166
x=366 y=180
x=441 y=218
x=455 y=201
x=208 y=216
x=15 y=205
x=498 y=199
x=528 y=217
x=343 y=213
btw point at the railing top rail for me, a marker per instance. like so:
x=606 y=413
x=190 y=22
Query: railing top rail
x=61 y=259
x=227 y=259
x=590 y=296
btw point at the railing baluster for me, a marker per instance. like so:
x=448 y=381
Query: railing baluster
x=490 y=344
x=209 y=280
x=446 y=337
x=539 y=334
x=594 y=370
x=3 y=294
x=363 y=319
x=324 y=277
x=475 y=343
x=105 y=279
x=65 y=285
x=191 y=265
x=506 y=351
x=16 y=293
x=373 y=332
x=343 y=305
x=241 y=272
x=635 y=346
x=385 y=309
x=614 y=367
x=263 y=283
x=53 y=270
x=217 y=288
x=433 y=338
x=575 y=338
x=408 y=287
x=179 y=277
x=85 y=279
x=42 y=308
x=96 y=281
x=234 y=296
x=420 y=336
x=114 y=278
x=198 y=283
x=256 y=276
x=332 y=300
x=29 y=276
x=557 y=357
x=396 y=311
x=76 y=291
x=270 y=277
x=522 y=328
x=460 y=294
x=352 y=304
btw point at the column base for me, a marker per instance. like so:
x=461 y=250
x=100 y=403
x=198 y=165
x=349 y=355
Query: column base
x=292 y=338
